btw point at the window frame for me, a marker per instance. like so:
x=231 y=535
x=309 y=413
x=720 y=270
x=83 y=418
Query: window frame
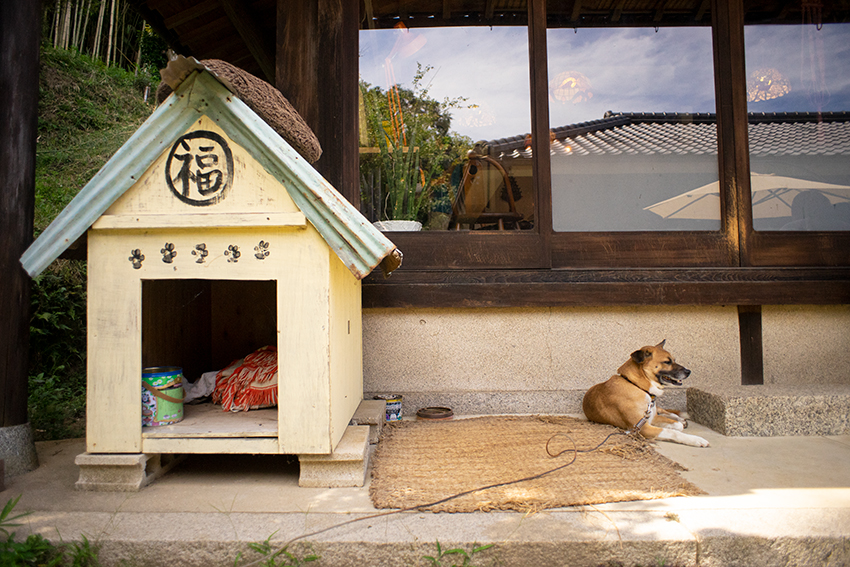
x=734 y=265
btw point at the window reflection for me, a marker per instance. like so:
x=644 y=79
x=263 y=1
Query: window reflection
x=798 y=94
x=430 y=100
x=632 y=128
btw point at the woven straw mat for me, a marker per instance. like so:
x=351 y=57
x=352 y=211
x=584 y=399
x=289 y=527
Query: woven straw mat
x=419 y=463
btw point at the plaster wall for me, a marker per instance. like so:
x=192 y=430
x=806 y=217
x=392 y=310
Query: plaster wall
x=806 y=343
x=536 y=360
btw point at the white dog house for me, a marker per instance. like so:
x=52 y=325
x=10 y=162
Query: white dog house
x=208 y=237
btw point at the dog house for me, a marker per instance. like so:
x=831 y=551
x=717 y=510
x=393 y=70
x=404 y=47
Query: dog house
x=209 y=237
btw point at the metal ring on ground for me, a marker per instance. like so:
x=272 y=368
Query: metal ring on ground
x=433 y=413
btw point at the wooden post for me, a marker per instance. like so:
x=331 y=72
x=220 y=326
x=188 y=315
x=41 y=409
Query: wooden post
x=730 y=80
x=317 y=72
x=19 y=47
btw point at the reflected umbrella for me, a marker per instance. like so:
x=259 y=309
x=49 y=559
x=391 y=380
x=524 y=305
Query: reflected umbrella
x=772 y=197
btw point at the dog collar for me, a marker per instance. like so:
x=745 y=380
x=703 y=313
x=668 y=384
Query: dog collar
x=636 y=386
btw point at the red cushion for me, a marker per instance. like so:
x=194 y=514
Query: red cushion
x=249 y=383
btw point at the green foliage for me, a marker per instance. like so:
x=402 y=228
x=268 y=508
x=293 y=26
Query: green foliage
x=451 y=555
x=416 y=149
x=57 y=374
x=6 y=518
x=86 y=111
x=77 y=93
x=154 y=49
x=276 y=557
x=37 y=551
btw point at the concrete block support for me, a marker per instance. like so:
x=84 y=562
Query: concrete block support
x=346 y=466
x=17 y=449
x=371 y=413
x=773 y=410
x=121 y=472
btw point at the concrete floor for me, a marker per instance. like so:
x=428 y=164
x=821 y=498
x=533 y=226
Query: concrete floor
x=771 y=501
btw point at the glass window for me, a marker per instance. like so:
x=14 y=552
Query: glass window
x=798 y=97
x=431 y=99
x=633 y=137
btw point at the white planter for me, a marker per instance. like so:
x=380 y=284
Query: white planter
x=398 y=226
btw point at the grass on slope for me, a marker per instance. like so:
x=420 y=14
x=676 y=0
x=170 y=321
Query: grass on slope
x=86 y=111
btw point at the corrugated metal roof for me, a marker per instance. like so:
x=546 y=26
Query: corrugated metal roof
x=689 y=134
x=359 y=245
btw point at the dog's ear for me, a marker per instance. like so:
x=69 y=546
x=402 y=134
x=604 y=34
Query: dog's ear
x=661 y=344
x=640 y=355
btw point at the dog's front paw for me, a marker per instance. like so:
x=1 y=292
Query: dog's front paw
x=700 y=442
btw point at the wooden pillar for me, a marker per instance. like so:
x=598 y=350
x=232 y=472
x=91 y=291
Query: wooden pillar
x=730 y=80
x=316 y=69
x=19 y=48
x=752 y=352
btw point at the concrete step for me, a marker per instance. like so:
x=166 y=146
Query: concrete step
x=373 y=414
x=346 y=466
x=772 y=410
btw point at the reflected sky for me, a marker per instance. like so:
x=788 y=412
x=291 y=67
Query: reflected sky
x=814 y=63
x=489 y=67
x=592 y=71
x=632 y=70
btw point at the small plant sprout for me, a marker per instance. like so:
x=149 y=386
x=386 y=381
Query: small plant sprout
x=449 y=556
x=276 y=557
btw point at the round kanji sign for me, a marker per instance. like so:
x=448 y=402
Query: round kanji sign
x=199 y=169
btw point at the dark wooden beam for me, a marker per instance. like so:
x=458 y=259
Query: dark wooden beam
x=618 y=11
x=249 y=30
x=730 y=82
x=558 y=288
x=317 y=71
x=703 y=8
x=541 y=164
x=19 y=42
x=659 y=11
x=752 y=359
x=576 y=11
x=189 y=14
x=154 y=19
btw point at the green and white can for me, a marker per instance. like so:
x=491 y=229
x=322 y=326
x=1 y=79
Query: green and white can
x=162 y=395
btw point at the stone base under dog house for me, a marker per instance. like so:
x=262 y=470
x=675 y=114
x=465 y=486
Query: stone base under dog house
x=346 y=466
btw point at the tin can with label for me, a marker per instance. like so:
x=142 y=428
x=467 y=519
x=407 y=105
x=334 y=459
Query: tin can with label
x=162 y=395
x=393 y=406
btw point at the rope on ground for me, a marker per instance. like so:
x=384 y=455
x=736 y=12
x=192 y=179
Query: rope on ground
x=575 y=450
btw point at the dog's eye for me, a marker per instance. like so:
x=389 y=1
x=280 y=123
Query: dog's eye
x=668 y=361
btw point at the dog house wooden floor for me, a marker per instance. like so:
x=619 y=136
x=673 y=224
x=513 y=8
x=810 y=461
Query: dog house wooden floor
x=202 y=326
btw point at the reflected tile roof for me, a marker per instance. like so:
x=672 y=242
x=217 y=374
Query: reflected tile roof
x=689 y=134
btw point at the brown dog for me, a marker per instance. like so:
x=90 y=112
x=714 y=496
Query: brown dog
x=627 y=400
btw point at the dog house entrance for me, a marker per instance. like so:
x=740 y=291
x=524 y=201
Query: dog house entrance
x=203 y=326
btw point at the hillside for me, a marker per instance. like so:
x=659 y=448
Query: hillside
x=86 y=111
